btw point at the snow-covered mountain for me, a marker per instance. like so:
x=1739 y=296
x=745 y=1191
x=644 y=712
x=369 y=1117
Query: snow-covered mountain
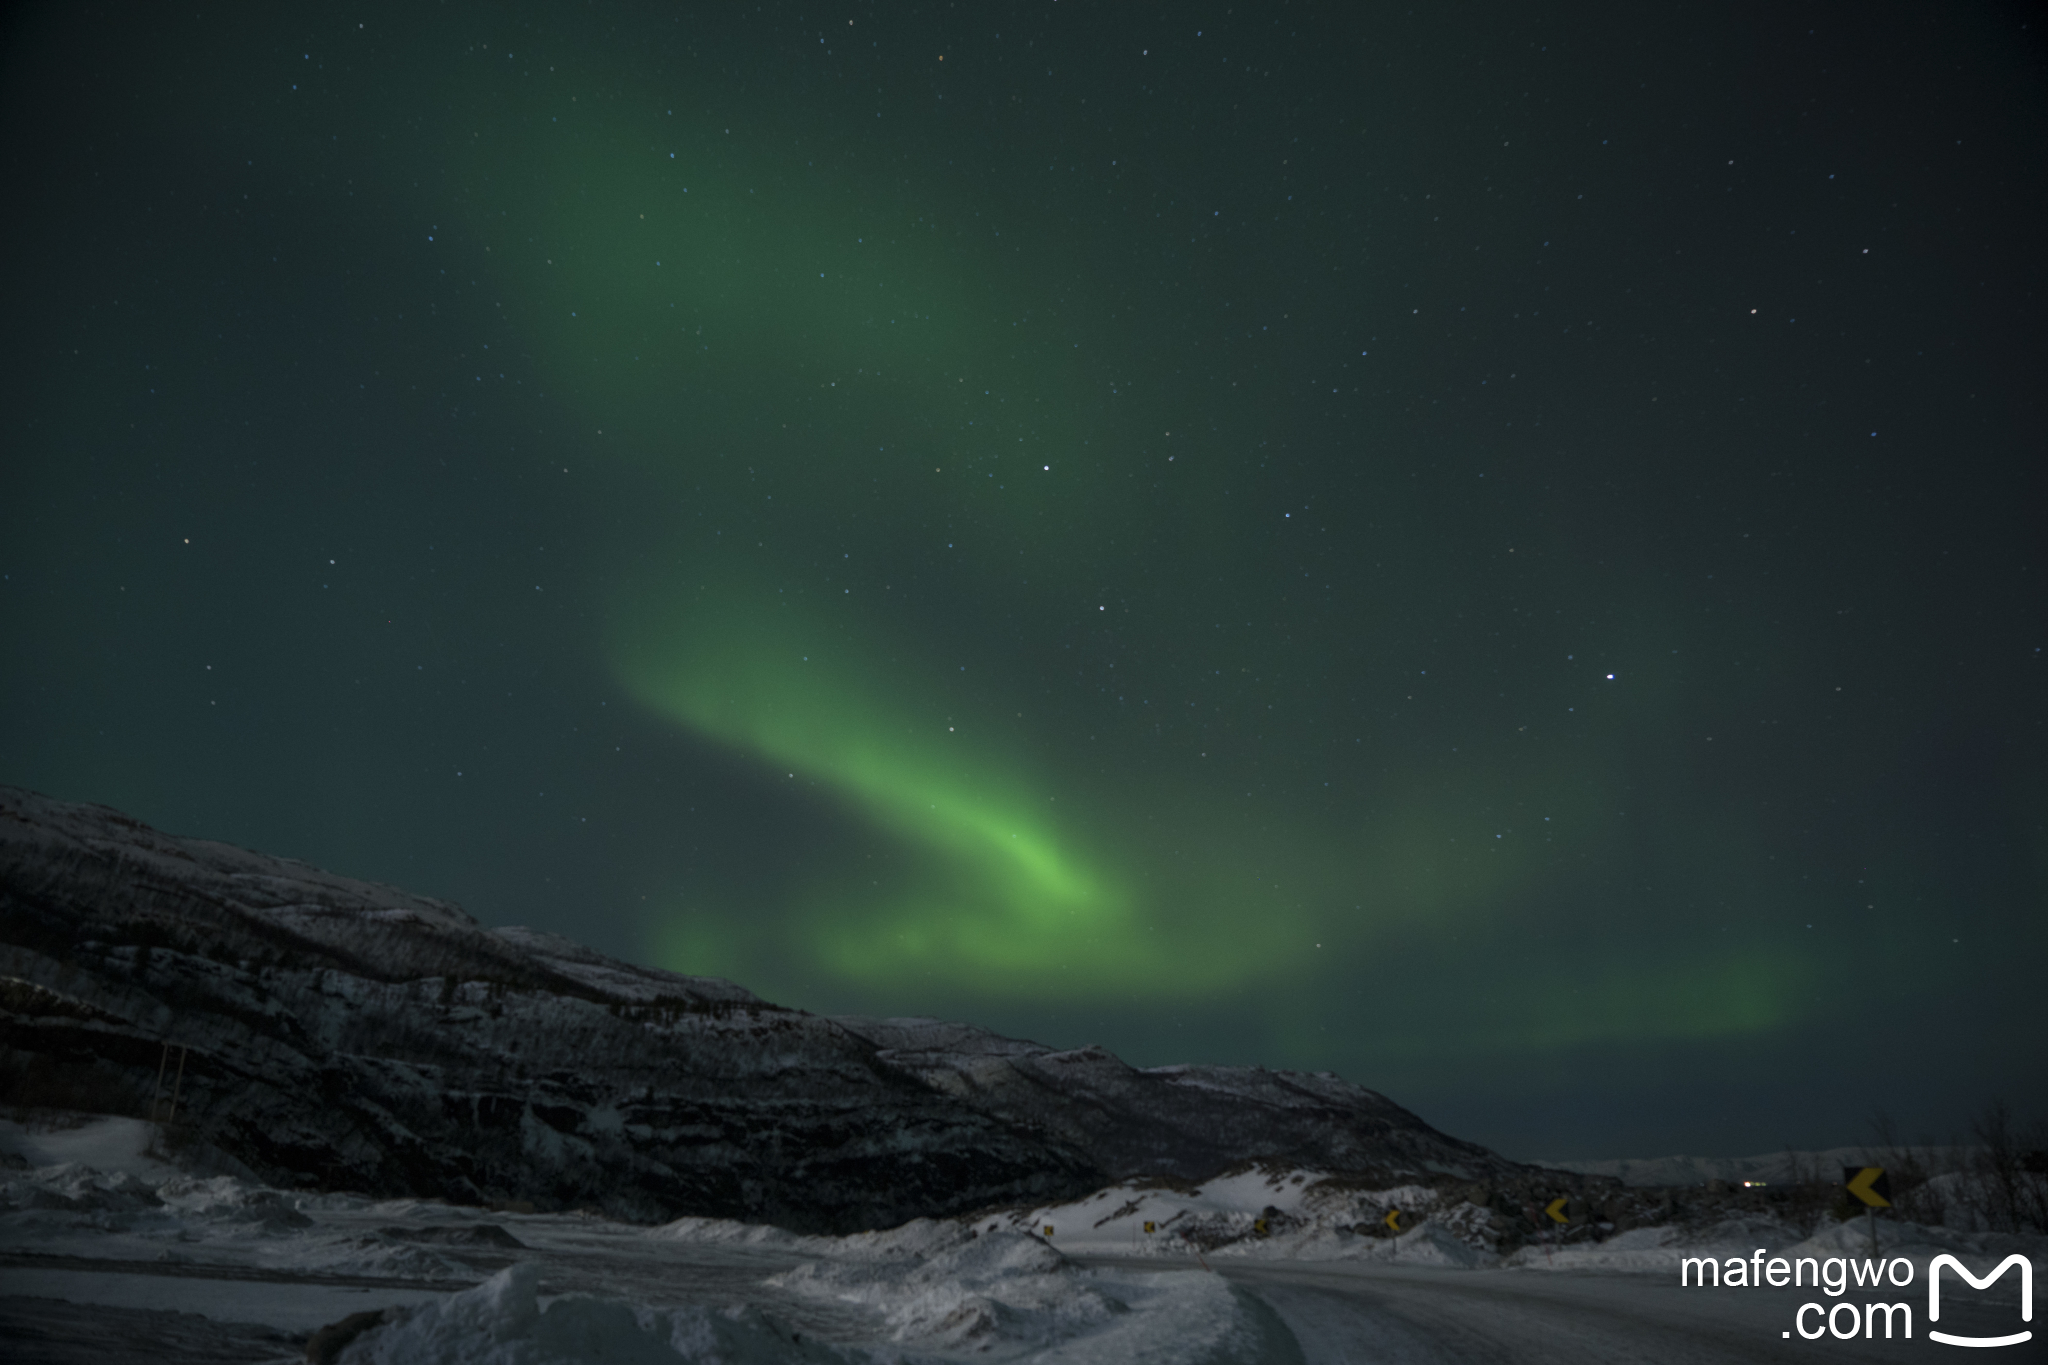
x=351 y=1036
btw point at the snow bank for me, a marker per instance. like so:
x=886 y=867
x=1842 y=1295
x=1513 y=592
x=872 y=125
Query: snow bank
x=1657 y=1250
x=105 y=1143
x=78 y=1210
x=936 y=1285
x=502 y=1322
x=1005 y=1298
x=75 y=1188
x=1639 y=1251
x=1010 y=1293
x=1004 y=1286
x=1980 y=1251
x=724 y=1232
x=1432 y=1244
x=1266 y=1213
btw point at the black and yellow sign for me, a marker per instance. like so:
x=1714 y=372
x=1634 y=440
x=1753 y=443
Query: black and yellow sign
x=1151 y=1227
x=1259 y=1228
x=1555 y=1208
x=1048 y=1229
x=1870 y=1184
x=1393 y=1219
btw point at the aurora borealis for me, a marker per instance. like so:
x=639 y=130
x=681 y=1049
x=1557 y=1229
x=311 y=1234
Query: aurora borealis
x=1496 y=554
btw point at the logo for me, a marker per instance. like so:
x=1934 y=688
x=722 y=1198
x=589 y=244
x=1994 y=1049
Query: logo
x=1934 y=1298
x=1837 y=1275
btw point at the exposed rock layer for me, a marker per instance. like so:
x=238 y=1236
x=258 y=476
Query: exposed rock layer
x=350 y=1035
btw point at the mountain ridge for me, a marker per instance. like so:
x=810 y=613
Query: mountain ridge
x=352 y=1035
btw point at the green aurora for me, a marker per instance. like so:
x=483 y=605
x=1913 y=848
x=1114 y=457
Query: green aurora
x=1109 y=545
x=1030 y=862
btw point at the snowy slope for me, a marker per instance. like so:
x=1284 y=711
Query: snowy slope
x=1269 y=1212
x=1183 y=1122
x=344 y=1035
x=434 y=1283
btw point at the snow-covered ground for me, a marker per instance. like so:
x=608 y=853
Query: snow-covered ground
x=1265 y=1265
x=470 y=1285
x=1266 y=1213
x=1304 y=1216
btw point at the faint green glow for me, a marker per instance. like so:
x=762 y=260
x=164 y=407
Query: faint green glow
x=1724 y=996
x=681 y=301
x=742 y=329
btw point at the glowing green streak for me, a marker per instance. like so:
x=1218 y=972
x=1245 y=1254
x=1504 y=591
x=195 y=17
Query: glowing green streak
x=824 y=305
x=1012 y=892
x=655 y=281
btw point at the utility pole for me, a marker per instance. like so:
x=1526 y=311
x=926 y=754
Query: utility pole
x=179 y=1084
x=156 y=1098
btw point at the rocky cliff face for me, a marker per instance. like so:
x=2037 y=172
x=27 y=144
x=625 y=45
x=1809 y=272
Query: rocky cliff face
x=349 y=1035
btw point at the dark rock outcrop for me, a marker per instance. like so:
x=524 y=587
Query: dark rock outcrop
x=349 y=1035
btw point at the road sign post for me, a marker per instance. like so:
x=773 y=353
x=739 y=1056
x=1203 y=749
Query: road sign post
x=1871 y=1185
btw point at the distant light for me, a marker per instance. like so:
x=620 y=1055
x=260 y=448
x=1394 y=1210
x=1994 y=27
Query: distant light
x=1610 y=677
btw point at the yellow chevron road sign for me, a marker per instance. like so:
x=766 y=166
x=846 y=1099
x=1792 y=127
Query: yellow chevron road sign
x=1555 y=1208
x=1870 y=1184
x=1393 y=1219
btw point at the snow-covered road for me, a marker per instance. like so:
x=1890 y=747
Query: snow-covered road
x=1368 y=1314
x=1339 y=1314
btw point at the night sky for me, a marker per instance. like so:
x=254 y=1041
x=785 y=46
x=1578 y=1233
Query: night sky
x=1495 y=551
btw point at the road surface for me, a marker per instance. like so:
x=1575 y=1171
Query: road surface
x=1347 y=1313
x=1341 y=1313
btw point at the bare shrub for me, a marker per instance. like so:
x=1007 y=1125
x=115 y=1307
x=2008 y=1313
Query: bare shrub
x=1998 y=1183
x=2009 y=1184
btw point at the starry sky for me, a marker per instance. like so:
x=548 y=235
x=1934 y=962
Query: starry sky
x=1493 y=551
